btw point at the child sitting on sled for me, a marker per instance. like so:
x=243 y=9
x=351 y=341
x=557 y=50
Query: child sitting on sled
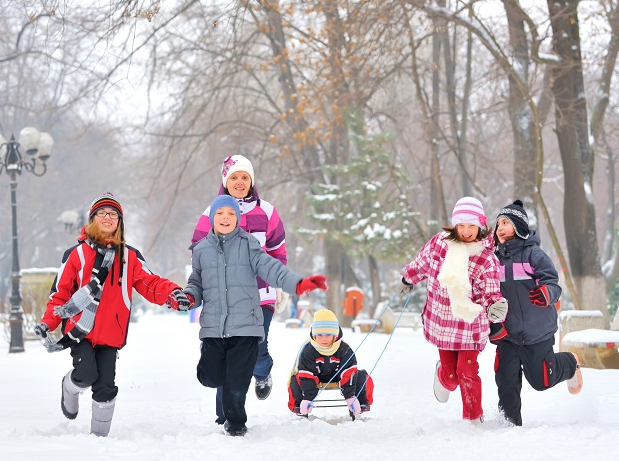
x=325 y=358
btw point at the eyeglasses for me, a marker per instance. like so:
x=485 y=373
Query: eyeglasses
x=103 y=214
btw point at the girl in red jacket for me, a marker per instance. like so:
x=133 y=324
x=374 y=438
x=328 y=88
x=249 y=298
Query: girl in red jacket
x=91 y=298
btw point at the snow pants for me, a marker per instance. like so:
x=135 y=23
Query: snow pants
x=229 y=363
x=541 y=367
x=460 y=368
x=363 y=383
x=95 y=366
x=263 y=364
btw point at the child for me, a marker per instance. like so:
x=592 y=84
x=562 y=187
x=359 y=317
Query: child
x=259 y=218
x=91 y=296
x=326 y=358
x=463 y=294
x=529 y=281
x=225 y=265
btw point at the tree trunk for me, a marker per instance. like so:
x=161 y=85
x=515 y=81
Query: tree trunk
x=522 y=120
x=577 y=156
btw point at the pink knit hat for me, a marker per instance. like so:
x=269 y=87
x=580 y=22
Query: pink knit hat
x=469 y=210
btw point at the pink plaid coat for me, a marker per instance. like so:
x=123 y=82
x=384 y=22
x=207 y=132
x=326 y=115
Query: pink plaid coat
x=440 y=327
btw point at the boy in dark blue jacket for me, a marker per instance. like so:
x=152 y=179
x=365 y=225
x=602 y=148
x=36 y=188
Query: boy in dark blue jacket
x=529 y=282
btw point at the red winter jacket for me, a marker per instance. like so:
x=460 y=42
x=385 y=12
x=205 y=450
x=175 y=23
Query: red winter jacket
x=112 y=317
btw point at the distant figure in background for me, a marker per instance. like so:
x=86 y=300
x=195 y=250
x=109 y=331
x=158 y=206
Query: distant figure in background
x=463 y=296
x=259 y=218
x=294 y=299
x=530 y=283
x=225 y=265
x=91 y=297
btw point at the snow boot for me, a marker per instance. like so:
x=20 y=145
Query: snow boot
x=235 y=430
x=70 y=397
x=263 y=387
x=574 y=384
x=102 y=413
x=440 y=392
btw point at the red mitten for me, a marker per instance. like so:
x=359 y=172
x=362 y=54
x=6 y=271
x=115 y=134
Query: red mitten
x=311 y=283
x=539 y=296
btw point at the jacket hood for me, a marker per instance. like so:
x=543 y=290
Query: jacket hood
x=516 y=245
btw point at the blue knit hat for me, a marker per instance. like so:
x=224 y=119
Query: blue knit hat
x=225 y=200
x=325 y=323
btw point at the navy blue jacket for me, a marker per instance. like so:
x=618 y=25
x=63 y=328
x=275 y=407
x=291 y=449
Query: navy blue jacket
x=524 y=265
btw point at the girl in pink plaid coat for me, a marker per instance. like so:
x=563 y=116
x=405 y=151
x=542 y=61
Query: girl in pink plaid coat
x=463 y=296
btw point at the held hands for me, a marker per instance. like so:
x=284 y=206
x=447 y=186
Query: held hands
x=306 y=407
x=179 y=301
x=41 y=330
x=353 y=405
x=498 y=310
x=311 y=283
x=403 y=288
x=282 y=300
x=539 y=296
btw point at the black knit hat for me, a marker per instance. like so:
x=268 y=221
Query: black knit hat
x=518 y=217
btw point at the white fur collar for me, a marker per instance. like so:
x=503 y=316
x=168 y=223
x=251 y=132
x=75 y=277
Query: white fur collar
x=454 y=276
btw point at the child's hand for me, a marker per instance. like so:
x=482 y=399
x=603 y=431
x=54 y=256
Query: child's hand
x=306 y=407
x=353 y=405
x=539 y=296
x=41 y=330
x=311 y=283
x=497 y=311
x=403 y=288
x=179 y=301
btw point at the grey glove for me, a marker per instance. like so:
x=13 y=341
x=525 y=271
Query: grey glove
x=497 y=311
x=404 y=288
x=41 y=330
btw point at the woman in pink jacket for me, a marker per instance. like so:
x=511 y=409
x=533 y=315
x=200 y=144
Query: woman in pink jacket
x=463 y=296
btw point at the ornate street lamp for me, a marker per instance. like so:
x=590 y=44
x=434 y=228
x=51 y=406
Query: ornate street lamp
x=37 y=147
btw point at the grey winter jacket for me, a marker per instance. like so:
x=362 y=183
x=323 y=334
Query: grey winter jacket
x=223 y=279
x=524 y=265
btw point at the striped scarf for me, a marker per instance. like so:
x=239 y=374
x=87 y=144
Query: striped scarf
x=84 y=301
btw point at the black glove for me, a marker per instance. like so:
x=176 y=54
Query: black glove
x=41 y=330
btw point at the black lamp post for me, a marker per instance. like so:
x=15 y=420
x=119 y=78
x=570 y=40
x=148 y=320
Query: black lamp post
x=38 y=147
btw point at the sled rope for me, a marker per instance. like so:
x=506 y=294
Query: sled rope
x=366 y=337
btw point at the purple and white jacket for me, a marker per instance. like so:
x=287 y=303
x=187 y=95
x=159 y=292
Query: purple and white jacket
x=260 y=219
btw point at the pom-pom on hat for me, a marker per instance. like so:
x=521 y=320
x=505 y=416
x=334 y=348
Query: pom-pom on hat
x=234 y=163
x=469 y=210
x=106 y=199
x=517 y=215
x=225 y=200
x=325 y=323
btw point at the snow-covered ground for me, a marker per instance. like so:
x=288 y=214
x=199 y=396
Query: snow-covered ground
x=163 y=413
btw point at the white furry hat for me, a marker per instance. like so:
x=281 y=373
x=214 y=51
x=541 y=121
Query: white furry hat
x=234 y=163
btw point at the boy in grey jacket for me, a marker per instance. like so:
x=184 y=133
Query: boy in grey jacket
x=225 y=265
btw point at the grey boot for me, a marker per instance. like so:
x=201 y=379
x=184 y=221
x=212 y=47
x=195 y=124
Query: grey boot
x=70 y=399
x=101 y=421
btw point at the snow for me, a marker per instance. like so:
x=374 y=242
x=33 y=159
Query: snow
x=592 y=336
x=163 y=413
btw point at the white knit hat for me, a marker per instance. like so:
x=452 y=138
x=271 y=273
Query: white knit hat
x=469 y=210
x=234 y=163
